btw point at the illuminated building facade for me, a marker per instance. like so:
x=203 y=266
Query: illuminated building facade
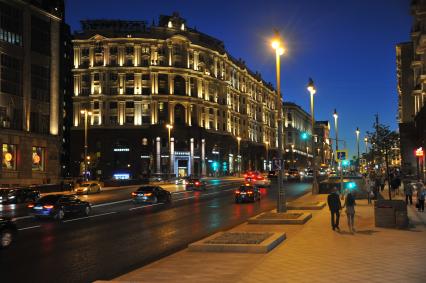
x=30 y=91
x=136 y=78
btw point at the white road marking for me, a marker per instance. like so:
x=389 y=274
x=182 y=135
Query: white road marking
x=22 y=217
x=111 y=203
x=31 y=227
x=202 y=195
x=149 y=205
x=91 y=216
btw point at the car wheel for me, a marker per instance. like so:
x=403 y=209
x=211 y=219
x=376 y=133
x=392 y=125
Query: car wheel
x=6 y=238
x=87 y=210
x=155 y=200
x=60 y=214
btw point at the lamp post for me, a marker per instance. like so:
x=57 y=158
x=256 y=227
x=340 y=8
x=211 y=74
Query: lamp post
x=292 y=155
x=86 y=114
x=312 y=91
x=279 y=50
x=357 y=145
x=366 y=152
x=267 y=155
x=169 y=128
x=239 y=156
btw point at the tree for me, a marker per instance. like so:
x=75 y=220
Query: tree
x=382 y=141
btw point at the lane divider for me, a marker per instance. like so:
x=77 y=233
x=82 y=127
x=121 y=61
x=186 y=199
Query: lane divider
x=31 y=227
x=148 y=205
x=111 y=203
x=91 y=216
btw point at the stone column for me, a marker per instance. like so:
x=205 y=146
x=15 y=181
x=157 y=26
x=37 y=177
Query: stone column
x=137 y=55
x=106 y=55
x=76 y=57
x=171 y=84
x=92 y=56
x=158 y=154
x=169 y=46
x=191 y=157
x=54 y=77
x=172 y=157
x=203 y=157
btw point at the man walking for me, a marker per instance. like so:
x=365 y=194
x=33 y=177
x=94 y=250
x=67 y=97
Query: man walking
x=335 y=206
x=408 y=191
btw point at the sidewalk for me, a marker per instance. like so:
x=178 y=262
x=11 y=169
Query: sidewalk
x=311 y=253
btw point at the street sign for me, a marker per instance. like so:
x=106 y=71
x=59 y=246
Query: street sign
x=276 y=164
x=341 y=155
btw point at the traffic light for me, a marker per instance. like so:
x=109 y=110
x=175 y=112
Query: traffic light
x=304 y=136
x=345 y=162
x=215 y=165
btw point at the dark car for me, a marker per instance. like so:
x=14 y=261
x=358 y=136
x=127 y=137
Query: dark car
x=293 y=174
x=272 y=175
x=195 y=184
x=8 y=232
x=247 y=193
x=58 y=206
x=152 y=194
x=18 y=195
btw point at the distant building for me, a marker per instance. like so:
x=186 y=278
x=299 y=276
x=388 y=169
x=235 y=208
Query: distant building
x=297 y=136
x=411 y=74
x=30 y=91
x=323 y=143
x=136 y=78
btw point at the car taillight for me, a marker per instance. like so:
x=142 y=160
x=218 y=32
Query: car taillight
x=245 y=175
x=259 y=178
x=237 y=192
x=197 y=183
x=249 y=192
x=134 y=194
x=148 y=194
x=48 y=206
x=31 y=205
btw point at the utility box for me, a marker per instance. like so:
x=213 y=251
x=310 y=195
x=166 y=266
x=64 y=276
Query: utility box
x=390 y=214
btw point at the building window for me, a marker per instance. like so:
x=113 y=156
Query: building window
x=130 y=104
x=129 y=50
x=10 y=24
x=40 y=35
x=96 y=105
x=113 y=76
x=130 y=76
x=38 y=158
x=130 y=119
x=146 y=91
x=11 y=72
x=113 y=105
x=146 y=119
x=113 y=120
x=40 y=83
x=145 y=77
x=113 y=50
x=8 y=157
x=96 y=76
x=130 y=90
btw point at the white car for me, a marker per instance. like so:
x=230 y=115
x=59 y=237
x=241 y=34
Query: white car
x=261 y=182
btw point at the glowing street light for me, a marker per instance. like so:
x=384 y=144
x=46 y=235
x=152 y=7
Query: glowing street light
x=357 y=144
x=312 y=91
x=279 y=50
x=239 y=156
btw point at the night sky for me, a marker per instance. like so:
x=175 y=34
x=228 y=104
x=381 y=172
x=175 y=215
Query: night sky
x=346 y=46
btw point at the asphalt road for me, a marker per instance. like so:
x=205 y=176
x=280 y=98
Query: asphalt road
x=119 y=238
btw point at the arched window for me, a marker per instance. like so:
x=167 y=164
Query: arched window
x=179 y=85
x=179 y=114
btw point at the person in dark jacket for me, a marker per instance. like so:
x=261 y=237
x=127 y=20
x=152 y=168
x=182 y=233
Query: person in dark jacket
x=335 y=206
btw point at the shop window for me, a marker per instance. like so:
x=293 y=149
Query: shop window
x=8 y=157
x=38 y=158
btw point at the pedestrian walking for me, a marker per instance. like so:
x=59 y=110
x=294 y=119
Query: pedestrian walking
x=369 y=187
x=382 y=182
x=408 y=191
x=335 y=206
x=350 y=210
x=421 y=195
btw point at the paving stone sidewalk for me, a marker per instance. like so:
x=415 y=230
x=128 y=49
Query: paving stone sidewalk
x=311 y=253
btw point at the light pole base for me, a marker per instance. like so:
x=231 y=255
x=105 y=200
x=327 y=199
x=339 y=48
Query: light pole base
x=315 y=187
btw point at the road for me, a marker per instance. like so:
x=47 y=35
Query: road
x=121 y=237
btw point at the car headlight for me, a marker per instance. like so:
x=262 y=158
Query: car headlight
x=12 y=197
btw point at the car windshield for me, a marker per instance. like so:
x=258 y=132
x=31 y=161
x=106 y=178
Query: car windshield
x=146 y=189
x=194 y=180
x=49 y=199
x=84 y=185
x=246 y=188
x=5 y=192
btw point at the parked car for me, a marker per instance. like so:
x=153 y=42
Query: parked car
x=247 y=192
x=58 y=206
x=88 y=188
x=181 y=181
x=18 y=195
x=151 y=194
x=293 y=174
x=8 y=232
x=196 y=184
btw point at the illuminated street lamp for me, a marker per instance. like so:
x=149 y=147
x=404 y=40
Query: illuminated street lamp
x=357 y=144
x=366 y=151
x=169 y=128
x=86 y=114
x=312 y=91
x=239 y=156
x=267 y=155
x=277 y=45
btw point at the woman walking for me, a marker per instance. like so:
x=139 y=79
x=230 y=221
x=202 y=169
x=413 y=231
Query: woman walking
x=350 y=210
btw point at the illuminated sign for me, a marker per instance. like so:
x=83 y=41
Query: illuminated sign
x=341 y=155
x=8 y=156
x=419 y=152
x=122 y=176
x=124 y=149
x=182 y=153
x=36 y=158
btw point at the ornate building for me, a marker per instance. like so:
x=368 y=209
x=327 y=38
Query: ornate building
x=297 y=136
x=30 y=90
x=136 y=78
x=323 y=143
